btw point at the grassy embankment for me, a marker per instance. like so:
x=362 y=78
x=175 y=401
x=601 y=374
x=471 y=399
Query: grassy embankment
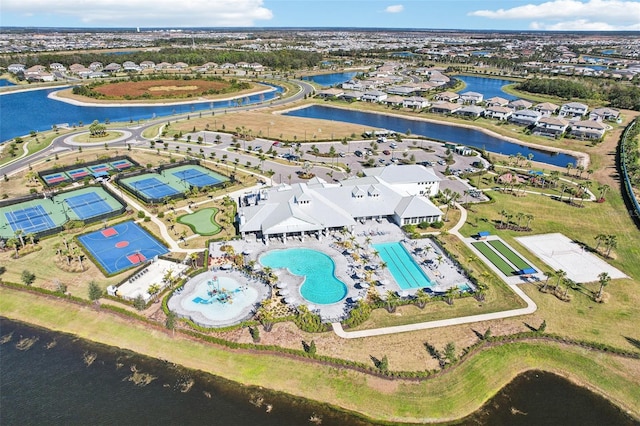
x=448 y=396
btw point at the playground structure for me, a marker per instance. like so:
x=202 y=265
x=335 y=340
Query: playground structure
x=217 y=294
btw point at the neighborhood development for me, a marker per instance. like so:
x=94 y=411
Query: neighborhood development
x=394 y=215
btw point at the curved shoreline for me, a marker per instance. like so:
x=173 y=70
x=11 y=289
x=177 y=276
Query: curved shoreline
x=320 y=382
x=200 y=100
x=582 y=158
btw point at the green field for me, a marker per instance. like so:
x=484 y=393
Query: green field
x=509 y=254
x=493 y=257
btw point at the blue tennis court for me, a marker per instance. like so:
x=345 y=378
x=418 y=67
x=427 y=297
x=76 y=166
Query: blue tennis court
x=30 y=219
x=121 y=246
x=154 y=188
x=195 y=177
x=88 y=205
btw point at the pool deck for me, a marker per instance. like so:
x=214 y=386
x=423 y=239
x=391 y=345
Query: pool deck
x=350 y=272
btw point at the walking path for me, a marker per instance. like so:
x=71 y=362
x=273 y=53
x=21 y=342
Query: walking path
x=529 y=309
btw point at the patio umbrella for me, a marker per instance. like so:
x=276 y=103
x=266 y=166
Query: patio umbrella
x=364 y=285
x=284 y=292
x=281 y=285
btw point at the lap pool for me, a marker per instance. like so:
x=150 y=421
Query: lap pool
x=320 y=285
x=407 y=273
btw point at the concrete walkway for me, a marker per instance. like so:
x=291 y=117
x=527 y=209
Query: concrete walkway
x=529 y=309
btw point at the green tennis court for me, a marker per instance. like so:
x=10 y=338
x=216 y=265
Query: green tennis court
x=202 y=222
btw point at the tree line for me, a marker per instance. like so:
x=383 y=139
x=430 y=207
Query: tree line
x=619 y=95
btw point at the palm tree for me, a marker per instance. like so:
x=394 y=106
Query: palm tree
x=604 y=279
x=603 y=190
x=529 y=218
x=153 y=290
x=391 y=301
x=600 y=238
x=564 y=188
x=422 y=298
x=519 y=217
x=450 y=294
x=569 y=167
x=13 y=242
x=194 y=257
x=611 y=243
x=547 y=274
x=561 y=275
x=20 y=234
x=503 y=213
x=78 y=254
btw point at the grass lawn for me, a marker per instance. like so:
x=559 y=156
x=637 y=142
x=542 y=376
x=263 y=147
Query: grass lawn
x=448 y=396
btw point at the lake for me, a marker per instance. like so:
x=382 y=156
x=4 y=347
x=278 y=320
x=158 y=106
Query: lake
x=4 y=82
x=436 y=131
x=327 y=80
x=489 y=87
x=51 y=383
x=23 y=112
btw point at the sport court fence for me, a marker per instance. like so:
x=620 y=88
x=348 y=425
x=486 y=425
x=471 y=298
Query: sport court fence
x=75 y=166
x=131 y=189
x=625 y=175
x=58 y=229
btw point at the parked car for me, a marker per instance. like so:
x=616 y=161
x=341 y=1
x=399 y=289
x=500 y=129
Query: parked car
x=393 y=145
x=358 y=153
x=342 y=154
x=386 y=152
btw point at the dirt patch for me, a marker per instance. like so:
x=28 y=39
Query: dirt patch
x=161 y=88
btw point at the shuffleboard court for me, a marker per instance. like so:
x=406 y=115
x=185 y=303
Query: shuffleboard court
x=121 y=246
x=505 y=251
x=494 y=258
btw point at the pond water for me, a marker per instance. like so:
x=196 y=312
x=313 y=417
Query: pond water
x=436 y=131
x=489 y=87
x=23 y=112
x=4 y=82
x=51 y=383
x=327 y=80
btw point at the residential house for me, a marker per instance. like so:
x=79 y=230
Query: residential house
x=447 y=97
x=471 y=98
x=352 y=95
x=587 y=129
x=374 y=96
x=470 y=111
x=573 y=109
x=519 y=104
x=443 y=107
x=547 y=109
x=498 y=112
x=57 y=66
x=526 y=117
x=551 y=126
x=95 y=66
x=112 y=68
x=330 y=93
x=496 y=101
x=401 y=90
x=394 y=100
x=147 y=65
x=416 y=102
x=256 y=66
x=130 y=66
x=604 y=114
x=16 y=68
x=180 y=66
x=354 y=85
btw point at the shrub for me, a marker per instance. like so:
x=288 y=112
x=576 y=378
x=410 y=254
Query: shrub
x=141 y=214
x=28 y=277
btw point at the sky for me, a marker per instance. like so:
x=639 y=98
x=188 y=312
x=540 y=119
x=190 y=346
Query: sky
x=549 y=15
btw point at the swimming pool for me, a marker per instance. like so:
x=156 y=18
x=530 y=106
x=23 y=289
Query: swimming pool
x=320 y=285
x=404 y=269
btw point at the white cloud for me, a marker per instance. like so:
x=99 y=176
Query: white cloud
x=396 y=8
x=572 y=14
x=156 y=13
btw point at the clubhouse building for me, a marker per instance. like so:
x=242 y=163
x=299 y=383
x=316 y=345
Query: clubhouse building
x=398 y=193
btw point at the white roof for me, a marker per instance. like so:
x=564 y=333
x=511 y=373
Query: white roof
x=406 y=173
